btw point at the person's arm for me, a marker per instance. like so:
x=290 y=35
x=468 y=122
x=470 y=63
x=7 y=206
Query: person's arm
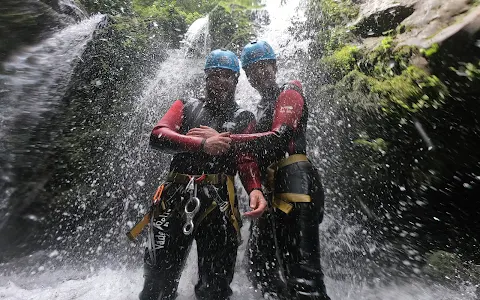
x=246 y=160
x=287 y=114
x=165 y=135
x=250 y=175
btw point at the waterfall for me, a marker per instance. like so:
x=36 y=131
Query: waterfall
x=32 y=84
x=197 y=39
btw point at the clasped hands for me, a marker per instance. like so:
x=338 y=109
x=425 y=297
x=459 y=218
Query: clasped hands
x=215 y=143
x=218 y=143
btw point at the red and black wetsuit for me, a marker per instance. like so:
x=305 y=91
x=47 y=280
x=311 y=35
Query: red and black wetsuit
x=281 y=129
x=214 y=233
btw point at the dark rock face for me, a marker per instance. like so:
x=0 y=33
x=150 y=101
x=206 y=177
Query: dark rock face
x=407 y=105
x=378 y=17
x=69 y=141
x=456 y=132
x=25 y=22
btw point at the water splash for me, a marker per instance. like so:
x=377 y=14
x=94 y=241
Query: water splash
x=197 y=38
x=34 y=79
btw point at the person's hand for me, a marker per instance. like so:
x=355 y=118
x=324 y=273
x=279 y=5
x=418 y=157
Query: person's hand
x=202 y=131
x=258 y=204
x=217 y=144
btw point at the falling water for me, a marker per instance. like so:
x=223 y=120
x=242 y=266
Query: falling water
x=32 y=84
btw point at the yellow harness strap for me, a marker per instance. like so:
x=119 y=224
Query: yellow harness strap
x=233 y=208
x=283 y=201
x=135 y=231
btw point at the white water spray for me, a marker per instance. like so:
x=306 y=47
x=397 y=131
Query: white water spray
x=34 y=79
x=32 y=83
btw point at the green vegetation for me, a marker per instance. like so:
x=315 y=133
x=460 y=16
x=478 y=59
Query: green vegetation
x=341 y=62
x=430 y=51
x=470 y=70
x=377 y=144
x=172 y=17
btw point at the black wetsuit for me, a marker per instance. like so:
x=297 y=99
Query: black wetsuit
x=281 y=129
x=214 y=231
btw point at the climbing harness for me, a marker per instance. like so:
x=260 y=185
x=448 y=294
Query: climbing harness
x=192 y=207
x=283 y=201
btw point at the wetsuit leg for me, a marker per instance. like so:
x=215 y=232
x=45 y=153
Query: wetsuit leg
x=298 y=239
x=217 y=245
x=299 y=246
x=264 y=269
x=163 y=263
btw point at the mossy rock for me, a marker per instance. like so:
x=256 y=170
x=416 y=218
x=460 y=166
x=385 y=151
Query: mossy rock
x=449 y=267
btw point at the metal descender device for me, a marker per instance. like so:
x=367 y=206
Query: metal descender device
x=191 y=207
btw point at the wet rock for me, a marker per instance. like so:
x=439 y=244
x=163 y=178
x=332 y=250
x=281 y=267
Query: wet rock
x=448 y=267
x=379 y=16
x=425 y=181
x=435 y=20
x=25 y=22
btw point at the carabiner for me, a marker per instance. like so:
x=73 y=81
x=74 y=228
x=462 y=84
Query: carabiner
x=190 y=214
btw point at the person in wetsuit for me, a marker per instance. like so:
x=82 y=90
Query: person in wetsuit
x=200 y=182
x=290 y=232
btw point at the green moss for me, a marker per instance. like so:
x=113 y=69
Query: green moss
x=411 y=91
x=473 y=71
x=335 y=39
x=335 y=12
x=111 y=7
x=341 y=61
x=430 y=51
x=386 y=43
x=402 y=28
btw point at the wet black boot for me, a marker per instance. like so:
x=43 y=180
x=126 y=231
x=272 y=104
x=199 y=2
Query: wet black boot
x=306 y=283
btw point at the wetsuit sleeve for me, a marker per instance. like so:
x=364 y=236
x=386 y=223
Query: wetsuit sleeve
x=288 y=111
x=246 y=162
x=165 y=135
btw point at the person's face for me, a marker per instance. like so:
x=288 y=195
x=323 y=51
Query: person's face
x=220 y=85
x=262 y=74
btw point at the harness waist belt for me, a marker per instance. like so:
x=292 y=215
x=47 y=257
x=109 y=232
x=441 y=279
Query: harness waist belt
x=213 y=179
x=283 y=201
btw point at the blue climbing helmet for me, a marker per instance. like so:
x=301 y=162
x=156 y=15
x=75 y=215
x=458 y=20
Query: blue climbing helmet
x=222 y=59
x=256 y=51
